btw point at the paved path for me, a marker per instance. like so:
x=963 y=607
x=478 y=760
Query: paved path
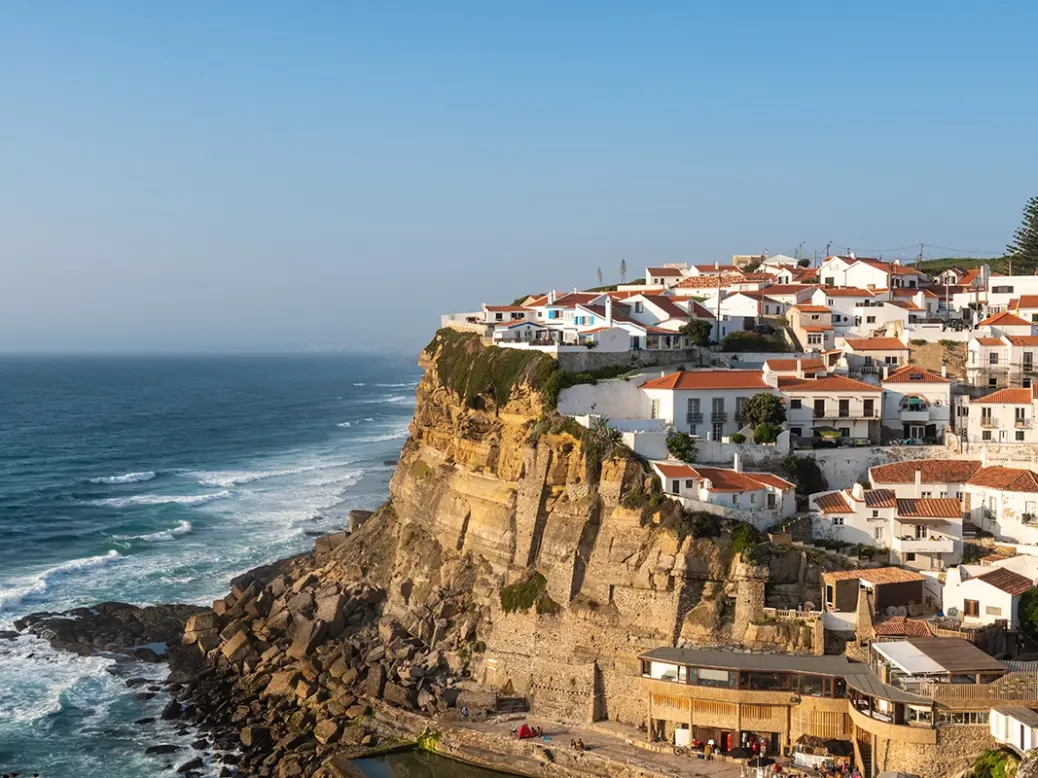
x=609 y=740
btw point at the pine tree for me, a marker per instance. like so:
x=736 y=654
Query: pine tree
x=600 y=276
x=1024 y=248
x=623 y=271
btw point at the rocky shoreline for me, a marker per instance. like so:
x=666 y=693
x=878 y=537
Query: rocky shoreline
x=280 y=677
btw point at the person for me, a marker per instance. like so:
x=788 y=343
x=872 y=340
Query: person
x=755 y=747
x=708 y=749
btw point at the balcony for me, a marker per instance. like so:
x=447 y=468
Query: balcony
x=1022 y=424
x=717 y=416
x=910 y=415
x=988 y=423
x=935 y=544
x=850 y=413
x=694 y=418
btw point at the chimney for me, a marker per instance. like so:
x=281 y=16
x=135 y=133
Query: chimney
x=800 y=368
x=609 y=311
x=944 y=371
x=551 y=297
x=984 y=457
x=717 y=265
x=886 y=371
x=918 y=482
x=736 y=463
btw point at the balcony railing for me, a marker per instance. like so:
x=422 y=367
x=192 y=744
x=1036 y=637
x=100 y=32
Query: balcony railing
x=719 y=416
x=915 y=414
x=1022 y=424
x=930 y=545
x=988 y=423
x=849 y=413
x=694 y=418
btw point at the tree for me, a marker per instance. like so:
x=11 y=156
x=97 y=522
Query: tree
x=1024 y=248
x=698 y=331
x=804 y=263
x=623 y=271
x=681 y=446
x=763 y=408
x=600 y=276
x=1028 y=611
x=766 y=433
x=753 y=265
x=805 y=473
x=601 y=443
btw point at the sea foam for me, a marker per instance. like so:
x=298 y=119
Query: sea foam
x=127 y=478
x=183 y=528
x=37 y=584
x=162 y=499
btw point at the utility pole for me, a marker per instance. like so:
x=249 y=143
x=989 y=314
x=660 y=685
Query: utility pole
x=920 y=258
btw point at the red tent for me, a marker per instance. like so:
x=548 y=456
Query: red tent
x=525 y=732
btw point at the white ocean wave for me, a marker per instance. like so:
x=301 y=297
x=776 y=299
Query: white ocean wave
x=127 y=478
x=37 y=584
x=397 y=433
x=183 y=528
x=359 y=383
x=231 y=478
x=344 y=424
x=407 y=384
x=162 y=499
x=392 y=398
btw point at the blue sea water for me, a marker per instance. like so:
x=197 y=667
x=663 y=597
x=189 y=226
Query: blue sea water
x=151 y=480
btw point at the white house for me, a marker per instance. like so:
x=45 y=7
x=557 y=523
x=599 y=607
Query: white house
x=1006 y=323
x=1002 y=290
x=925 y=477
x=507 y=314
x=1004 y=501
x=869 y=355
x=764 y=497
x=922 y=534
x=666 y=275
x=705 y=403
x=790 y=294
x=832 y=406
x=917 y=404
x=1004 y=416
x=982 y=594
x=1026 y=307
x=1015 y=727
x=813 y=326
x=799 y=367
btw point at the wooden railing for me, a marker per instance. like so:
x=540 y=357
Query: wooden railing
x=1019 y=687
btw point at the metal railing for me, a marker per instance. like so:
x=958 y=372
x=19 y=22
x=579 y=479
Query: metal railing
x=694 y=418
x=988 y=423
x=719 y=416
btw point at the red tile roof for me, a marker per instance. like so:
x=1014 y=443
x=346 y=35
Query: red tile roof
x=1005 y=319
x=1009 y=479
x=730 y=481
x=847 y=291
x=973 y=274
x=787 y=365
x=665 y=271
x=635 y=292
x=876 y=344
x=668 y=306
x=699 y=311
x=810 y=308
x=929 y=507
x=875 y=575
x=676 y=471
x=915 y=375
x=718 y=268
x=934 y=471
x=990 y=341
x=897 y=626
x=833 y=502
x=832 y=383
x=1008 y=581
x=709 y=379
x=880 y=498
x=1010 y=396
x=1023 y=340
x=888 y=267
x=710 y=282
x=1024 y=301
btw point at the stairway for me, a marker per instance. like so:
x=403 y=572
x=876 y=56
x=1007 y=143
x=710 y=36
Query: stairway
x=865 y=747
x=512 y=705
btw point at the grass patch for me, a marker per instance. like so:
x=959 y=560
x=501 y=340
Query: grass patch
x=531 y=592
x=421 y=469
x=472 y=370
x=560 y=380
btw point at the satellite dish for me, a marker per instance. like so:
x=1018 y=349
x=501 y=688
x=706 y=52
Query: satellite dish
x=891 y=611
x=953 y=613
x=902 y=610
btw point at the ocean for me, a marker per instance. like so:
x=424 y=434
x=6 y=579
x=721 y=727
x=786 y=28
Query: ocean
x=151 y=480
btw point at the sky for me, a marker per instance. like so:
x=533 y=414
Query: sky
x=334 y=175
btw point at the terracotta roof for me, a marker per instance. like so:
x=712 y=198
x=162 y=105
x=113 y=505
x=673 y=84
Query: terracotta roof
x=908 y=291
x=817 y=328
x=668 y=306
x=847 y=291
x=574 y=298
x=901 y=625
x=709 y=379
x=718 y=268
x=786 y=365
x=833 y=502
x=507 y=308
x=1024 y=301
x=710 y=282
x=876 y=344
x=810 y=308
x=832 y=383
x=887 y=267
x=990 y=341
x=1023 y=340
x=904 y=306
x=781 y=289
x=1009 y=396
x=973 y=274
x=665 y=271
x=875 y=575
x=930 y=507
x=1009 y=479
x=915 y=375
x=757 y=276
x=676 y=471
x=880 y=498
x=1008 y=581
x=699 y=311
x=647 y=290
x=934 y=471
x=722 y=480
x=1005 y=319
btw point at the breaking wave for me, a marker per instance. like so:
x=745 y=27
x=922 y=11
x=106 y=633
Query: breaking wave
x=127 y=478
x=38 y=583
x=162 y=499
x=182 y=528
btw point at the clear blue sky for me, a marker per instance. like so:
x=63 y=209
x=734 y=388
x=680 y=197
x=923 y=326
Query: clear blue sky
x=280 y=175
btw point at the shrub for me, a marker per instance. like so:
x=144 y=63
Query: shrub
x=560 y=380
x=805 y=473
x=766 y=433
x=745 y=539
x=698 y=331
x=531 y=592
x=997 y=763
x=681 y=446
x=738 y=437
x=918 y=341
x=1028 y=611
x=764 y=408
x=753 y=341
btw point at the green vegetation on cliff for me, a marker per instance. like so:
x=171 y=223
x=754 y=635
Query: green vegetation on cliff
x=471 y=369
x=997 y=763
x=531 y=592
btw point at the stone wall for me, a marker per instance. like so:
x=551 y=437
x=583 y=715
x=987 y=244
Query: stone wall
x=589 y=359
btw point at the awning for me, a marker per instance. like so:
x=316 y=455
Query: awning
x=908 y=658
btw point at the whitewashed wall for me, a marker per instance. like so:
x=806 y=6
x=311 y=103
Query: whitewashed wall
x=617 y=399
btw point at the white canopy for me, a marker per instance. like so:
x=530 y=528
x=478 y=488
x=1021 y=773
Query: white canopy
x=907 y=657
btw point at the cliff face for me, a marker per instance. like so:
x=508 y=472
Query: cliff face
x=489 y=495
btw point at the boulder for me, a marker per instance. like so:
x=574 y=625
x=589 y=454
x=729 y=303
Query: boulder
x=401 y=696
x=282 y=684
x=301 y=604
x=356 y=711
x=237 y=647
x=194 y=764
x=306 y=636
x=232 y=629
x=358 y=518
x=328 y=543
x=165 y=748
x=254 y=737
x=376 y=682
x=201 y=622
x=171 y=711
x=326 y=731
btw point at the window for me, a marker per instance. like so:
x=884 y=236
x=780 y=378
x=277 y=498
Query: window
x=992 y=382
x=772 y=500
x=798 y=431
x=910 y=556
x=689 y=483
x=813 y=686
x=721 y=679
x=819 y=409
x=870 y=319
x=990 y=610
x=675 y=487
x=845 y=408
x=1019 y=436
x=875 y=514
x=499 y=316
x=877 y=533
x=889 y=360
x=655 y=412
x=638 y=307
x=993 y=358
x=868 y=408
x=964 y=717
x=971 y=607
x=837 y=521
x=753 y=498
x=958 y=495
x=829 y=595
x=795 y=404
x=735 y=498
x=1002 y=290
x=985 y=435
x=829 y=302
x=927 y=494
x=845 y=432
x=814 y=340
